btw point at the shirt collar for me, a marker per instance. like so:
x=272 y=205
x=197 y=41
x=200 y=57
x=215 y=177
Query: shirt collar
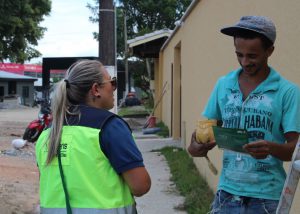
x=269 y=84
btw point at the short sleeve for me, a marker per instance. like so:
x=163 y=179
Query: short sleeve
x=291 y=110
x=212 y=109
x=117 y=143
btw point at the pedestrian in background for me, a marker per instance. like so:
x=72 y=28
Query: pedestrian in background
x=88 y=160
x=257 y=98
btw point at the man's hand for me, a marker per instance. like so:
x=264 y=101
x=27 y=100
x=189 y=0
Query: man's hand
x=199 y=149
x=258 y=149
x=261 y=149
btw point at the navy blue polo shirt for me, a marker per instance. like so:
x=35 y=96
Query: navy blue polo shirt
x=118 y=145
x=116 y=140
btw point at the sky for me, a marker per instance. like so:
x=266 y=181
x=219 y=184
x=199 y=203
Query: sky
x=69 y=31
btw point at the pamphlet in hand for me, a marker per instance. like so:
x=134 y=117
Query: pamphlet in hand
x=231 y=139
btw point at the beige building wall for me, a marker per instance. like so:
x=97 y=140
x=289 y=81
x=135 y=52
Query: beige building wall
x=204 y=54
x=159 y=86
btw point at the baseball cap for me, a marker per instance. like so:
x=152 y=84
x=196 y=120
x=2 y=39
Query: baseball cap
x=259 y=24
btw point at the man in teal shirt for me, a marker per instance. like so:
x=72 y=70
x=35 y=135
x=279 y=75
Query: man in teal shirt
x=256 y=98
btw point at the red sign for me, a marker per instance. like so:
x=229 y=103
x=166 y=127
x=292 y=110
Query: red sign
x=34 y=68
x=19 y=68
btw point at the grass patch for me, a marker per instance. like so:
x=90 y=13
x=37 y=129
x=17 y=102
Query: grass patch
x=198 y=195
x=164 y=130
x=132 y=111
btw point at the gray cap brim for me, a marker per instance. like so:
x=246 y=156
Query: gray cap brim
x=233 y=31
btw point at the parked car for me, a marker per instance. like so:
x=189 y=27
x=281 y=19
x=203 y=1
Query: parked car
x=132 y=100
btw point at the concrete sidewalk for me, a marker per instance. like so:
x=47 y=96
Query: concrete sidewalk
x=163 y=196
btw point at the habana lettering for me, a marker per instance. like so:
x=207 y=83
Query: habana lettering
x=254 y=113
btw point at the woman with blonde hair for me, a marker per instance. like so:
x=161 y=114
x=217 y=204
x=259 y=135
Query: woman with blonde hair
x=88 y=160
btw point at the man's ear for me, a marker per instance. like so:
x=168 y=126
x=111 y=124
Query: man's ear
x=270 y=50
x=96 y=90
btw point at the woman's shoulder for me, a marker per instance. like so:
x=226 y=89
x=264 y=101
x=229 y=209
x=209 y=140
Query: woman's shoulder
x=117 y=123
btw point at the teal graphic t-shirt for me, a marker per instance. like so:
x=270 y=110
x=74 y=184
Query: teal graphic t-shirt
x=268 y=112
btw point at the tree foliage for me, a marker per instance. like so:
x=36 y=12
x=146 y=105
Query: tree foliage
x=19 y=28
x=150 y=15
x=142 y=16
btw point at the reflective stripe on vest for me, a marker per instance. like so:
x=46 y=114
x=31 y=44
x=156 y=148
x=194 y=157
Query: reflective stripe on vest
x=124 y=210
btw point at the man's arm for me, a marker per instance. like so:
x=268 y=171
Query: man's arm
x=262 y=148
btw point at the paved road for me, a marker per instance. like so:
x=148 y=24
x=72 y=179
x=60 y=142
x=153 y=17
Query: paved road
x=163 y=196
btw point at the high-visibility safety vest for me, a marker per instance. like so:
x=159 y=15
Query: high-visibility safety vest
x=92 y=183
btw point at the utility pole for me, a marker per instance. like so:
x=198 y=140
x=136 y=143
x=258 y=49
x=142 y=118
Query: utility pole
x=107 y=53
x=126 y=54
x=107 y=39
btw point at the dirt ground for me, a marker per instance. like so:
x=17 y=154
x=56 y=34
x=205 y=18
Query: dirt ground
x=18 y=171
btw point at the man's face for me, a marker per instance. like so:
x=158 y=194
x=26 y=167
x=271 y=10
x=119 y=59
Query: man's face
x=252 y=56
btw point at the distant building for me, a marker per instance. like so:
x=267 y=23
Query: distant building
x=30 y=70
x=16 y=85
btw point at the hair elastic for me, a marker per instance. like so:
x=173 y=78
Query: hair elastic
x=67 y=83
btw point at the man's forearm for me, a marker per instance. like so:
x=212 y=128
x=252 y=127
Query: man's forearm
x=283 y=152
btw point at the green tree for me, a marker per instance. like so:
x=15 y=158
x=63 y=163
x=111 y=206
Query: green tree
x=19 y=28
x=142 y=16
x=150 y=15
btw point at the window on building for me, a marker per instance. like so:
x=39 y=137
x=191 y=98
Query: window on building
x=12 y=87
x=1 y=91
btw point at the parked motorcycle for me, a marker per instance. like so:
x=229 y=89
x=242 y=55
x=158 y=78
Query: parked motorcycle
x=35 y=127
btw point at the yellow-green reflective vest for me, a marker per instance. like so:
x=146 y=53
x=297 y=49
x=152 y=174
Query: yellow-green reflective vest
x=92 y=183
